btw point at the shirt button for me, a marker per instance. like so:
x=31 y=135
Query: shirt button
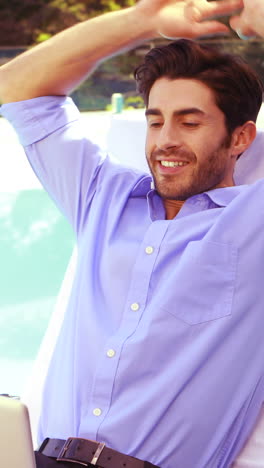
x=134 y=306
x=111 y=353
x=149 y=250
x=97 y=412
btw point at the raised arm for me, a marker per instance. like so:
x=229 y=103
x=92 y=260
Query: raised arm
x=57 y=66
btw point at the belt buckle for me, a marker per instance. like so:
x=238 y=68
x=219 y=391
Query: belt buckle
x=62 y=458
x=100 y=448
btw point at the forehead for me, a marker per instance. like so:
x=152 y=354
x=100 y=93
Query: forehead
x=180 y=93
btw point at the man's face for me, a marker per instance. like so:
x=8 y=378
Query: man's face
x=187 y=148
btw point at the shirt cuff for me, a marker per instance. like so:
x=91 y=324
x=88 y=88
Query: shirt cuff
x=35 y=119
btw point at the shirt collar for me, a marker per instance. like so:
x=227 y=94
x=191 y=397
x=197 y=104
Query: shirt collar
x=220 y=196
x=142 y=187
x=224 y=196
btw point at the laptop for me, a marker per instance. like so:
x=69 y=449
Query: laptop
x=16 y=448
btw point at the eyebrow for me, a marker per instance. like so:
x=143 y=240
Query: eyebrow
x=179 y=113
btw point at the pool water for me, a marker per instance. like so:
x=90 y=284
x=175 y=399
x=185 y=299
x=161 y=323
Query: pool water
x=35 y=245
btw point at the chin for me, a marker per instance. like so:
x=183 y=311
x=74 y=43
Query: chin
x=180 y=195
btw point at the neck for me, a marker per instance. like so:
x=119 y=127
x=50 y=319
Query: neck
x=172 y=207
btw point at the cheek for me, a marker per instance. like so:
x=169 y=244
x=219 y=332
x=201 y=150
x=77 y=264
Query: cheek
x=148 y=147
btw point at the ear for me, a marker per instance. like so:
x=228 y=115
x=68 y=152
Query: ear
x=242 y=138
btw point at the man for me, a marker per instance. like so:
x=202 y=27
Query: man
x=160 y=355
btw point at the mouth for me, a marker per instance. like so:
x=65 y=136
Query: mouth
x=166 y=166
x=166 y=163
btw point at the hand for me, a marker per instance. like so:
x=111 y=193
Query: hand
x=251 y=20
x=187 y=18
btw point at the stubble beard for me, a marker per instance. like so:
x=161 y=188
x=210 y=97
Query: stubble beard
x=203 y=177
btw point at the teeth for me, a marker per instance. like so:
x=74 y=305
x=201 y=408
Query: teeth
x=172 y=163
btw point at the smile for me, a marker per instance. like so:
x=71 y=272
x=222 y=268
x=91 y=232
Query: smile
x=173 y=163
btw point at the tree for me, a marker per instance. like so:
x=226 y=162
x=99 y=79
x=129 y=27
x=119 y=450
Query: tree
x=31 y=21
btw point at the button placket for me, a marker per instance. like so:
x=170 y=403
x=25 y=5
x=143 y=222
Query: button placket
x=144 y=267
x=134 y=308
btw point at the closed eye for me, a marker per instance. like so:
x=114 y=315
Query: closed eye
x=155 y=124
x=190 y=124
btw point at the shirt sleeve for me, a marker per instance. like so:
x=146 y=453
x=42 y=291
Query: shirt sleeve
x=67 y=164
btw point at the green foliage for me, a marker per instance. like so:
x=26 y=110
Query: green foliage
x=30 y=21
x=43 y=37
x=112 y=5
x=134 y=102
x=92 y=102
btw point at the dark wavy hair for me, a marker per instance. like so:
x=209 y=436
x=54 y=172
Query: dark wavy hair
x=237 y=88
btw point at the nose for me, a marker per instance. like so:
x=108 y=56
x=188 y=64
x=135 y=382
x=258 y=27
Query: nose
x=168 y=137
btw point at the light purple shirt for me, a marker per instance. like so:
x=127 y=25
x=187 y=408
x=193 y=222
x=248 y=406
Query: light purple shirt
x=161 y=353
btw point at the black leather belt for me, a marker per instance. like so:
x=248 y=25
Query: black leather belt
x=89 y=452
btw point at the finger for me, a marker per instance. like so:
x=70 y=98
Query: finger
x=238 y=23
x=209 y=28
x=219 y=8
